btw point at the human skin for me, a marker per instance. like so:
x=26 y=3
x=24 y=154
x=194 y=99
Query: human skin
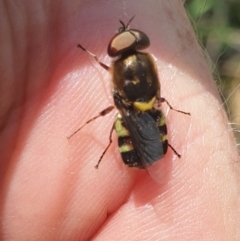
x=49 y=88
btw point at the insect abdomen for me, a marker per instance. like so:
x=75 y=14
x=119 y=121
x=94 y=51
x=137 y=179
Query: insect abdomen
x=126 y=148
x=159 y=117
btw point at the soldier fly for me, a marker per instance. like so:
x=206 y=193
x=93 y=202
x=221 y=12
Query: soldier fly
x=140 y=125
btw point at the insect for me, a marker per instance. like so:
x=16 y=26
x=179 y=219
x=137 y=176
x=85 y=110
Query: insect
x=140 y=125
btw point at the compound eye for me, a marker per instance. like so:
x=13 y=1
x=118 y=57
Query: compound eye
x=120 y=43
x=127 y=40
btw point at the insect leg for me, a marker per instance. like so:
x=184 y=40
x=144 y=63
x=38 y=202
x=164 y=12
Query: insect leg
x=95 y=57
x=176 y=153
x=183 y=112
x=109 y=144
x=102 y=113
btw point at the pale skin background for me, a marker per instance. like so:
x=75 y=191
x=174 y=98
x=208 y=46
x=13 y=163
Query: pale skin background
x=48 y=88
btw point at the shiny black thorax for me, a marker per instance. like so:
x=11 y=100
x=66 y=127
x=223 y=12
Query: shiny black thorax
x=135 y=77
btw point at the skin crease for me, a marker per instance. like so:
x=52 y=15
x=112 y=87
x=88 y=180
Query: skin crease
x=49 y=88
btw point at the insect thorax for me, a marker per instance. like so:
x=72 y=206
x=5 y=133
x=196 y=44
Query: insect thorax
x=135 y=77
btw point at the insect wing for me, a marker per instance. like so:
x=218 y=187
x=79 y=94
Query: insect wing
x=145 y=136
x=146 y=140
